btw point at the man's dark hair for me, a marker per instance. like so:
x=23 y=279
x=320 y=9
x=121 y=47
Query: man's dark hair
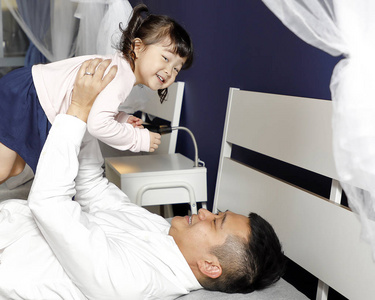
x=248 y=265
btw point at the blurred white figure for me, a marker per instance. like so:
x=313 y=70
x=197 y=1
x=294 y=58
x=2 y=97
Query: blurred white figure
x=99 y=25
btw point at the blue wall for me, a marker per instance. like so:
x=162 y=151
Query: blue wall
x=238 y=43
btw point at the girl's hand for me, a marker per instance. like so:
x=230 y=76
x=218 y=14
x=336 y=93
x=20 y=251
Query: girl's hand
x=154 y=141
x=88 y=84
x=136 y=122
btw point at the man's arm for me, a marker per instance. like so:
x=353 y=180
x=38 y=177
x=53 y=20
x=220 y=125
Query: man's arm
x=93 y=191
x=53 y=178
x=80 y=246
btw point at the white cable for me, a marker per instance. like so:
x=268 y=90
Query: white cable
x=196 y=159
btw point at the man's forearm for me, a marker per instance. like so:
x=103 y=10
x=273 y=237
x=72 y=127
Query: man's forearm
x=79 y=245
x=57 y=167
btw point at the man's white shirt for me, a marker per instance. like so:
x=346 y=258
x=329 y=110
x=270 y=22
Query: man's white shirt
x=99 y=246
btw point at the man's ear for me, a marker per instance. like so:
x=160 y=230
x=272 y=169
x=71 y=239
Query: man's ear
x=210 y=268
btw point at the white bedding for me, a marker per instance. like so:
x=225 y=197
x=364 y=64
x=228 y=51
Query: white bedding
x=20 y=192
x=281 y=290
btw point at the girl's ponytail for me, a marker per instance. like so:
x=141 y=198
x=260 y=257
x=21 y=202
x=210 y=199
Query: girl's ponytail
x=130 y=33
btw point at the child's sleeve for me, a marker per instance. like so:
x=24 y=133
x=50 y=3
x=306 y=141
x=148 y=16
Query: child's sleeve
x=122 y=117
x=102 y=122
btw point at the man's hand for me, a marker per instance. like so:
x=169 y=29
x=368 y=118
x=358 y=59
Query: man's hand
x=88 y=84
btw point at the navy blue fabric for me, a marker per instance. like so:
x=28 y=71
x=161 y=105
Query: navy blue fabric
x=23 y=124
x=34 y=56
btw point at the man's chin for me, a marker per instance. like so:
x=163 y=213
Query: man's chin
x=176 y=222
x=175 y=219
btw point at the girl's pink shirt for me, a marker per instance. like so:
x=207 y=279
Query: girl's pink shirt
x=54 y=84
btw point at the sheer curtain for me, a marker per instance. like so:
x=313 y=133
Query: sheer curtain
x=345 y=27
x=64 y=28
x=50 y=25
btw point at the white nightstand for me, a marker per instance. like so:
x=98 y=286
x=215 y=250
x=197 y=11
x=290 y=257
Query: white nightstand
x=158 y=179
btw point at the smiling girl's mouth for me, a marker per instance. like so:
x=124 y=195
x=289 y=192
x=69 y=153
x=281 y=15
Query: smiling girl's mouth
x=160 y=78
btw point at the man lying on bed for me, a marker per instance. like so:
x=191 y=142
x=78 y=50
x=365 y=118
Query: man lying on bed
x=101 y=246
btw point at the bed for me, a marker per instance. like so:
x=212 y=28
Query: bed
x=318 y=233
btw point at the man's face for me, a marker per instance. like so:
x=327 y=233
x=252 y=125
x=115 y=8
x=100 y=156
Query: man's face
x=196 y=235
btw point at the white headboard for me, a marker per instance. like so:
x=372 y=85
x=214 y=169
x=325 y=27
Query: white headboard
x=317 y=233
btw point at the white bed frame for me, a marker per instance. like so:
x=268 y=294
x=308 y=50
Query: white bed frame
x=318 y=234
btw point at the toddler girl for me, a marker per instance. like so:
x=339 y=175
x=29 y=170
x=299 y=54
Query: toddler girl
x=153 y=49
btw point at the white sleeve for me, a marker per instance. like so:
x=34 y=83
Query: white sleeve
x=80 y=246
x=94 y=192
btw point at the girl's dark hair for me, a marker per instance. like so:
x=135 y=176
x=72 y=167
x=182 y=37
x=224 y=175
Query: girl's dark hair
x=152 y=29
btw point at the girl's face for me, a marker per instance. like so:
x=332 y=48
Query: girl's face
x=156 y=66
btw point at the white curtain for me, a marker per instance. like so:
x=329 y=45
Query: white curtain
x=345 y=27
x=50 y=25
x=66 y=28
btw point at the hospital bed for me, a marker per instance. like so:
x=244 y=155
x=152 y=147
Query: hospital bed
x=277 y=133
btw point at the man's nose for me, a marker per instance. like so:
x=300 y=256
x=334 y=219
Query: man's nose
x=203 y=214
